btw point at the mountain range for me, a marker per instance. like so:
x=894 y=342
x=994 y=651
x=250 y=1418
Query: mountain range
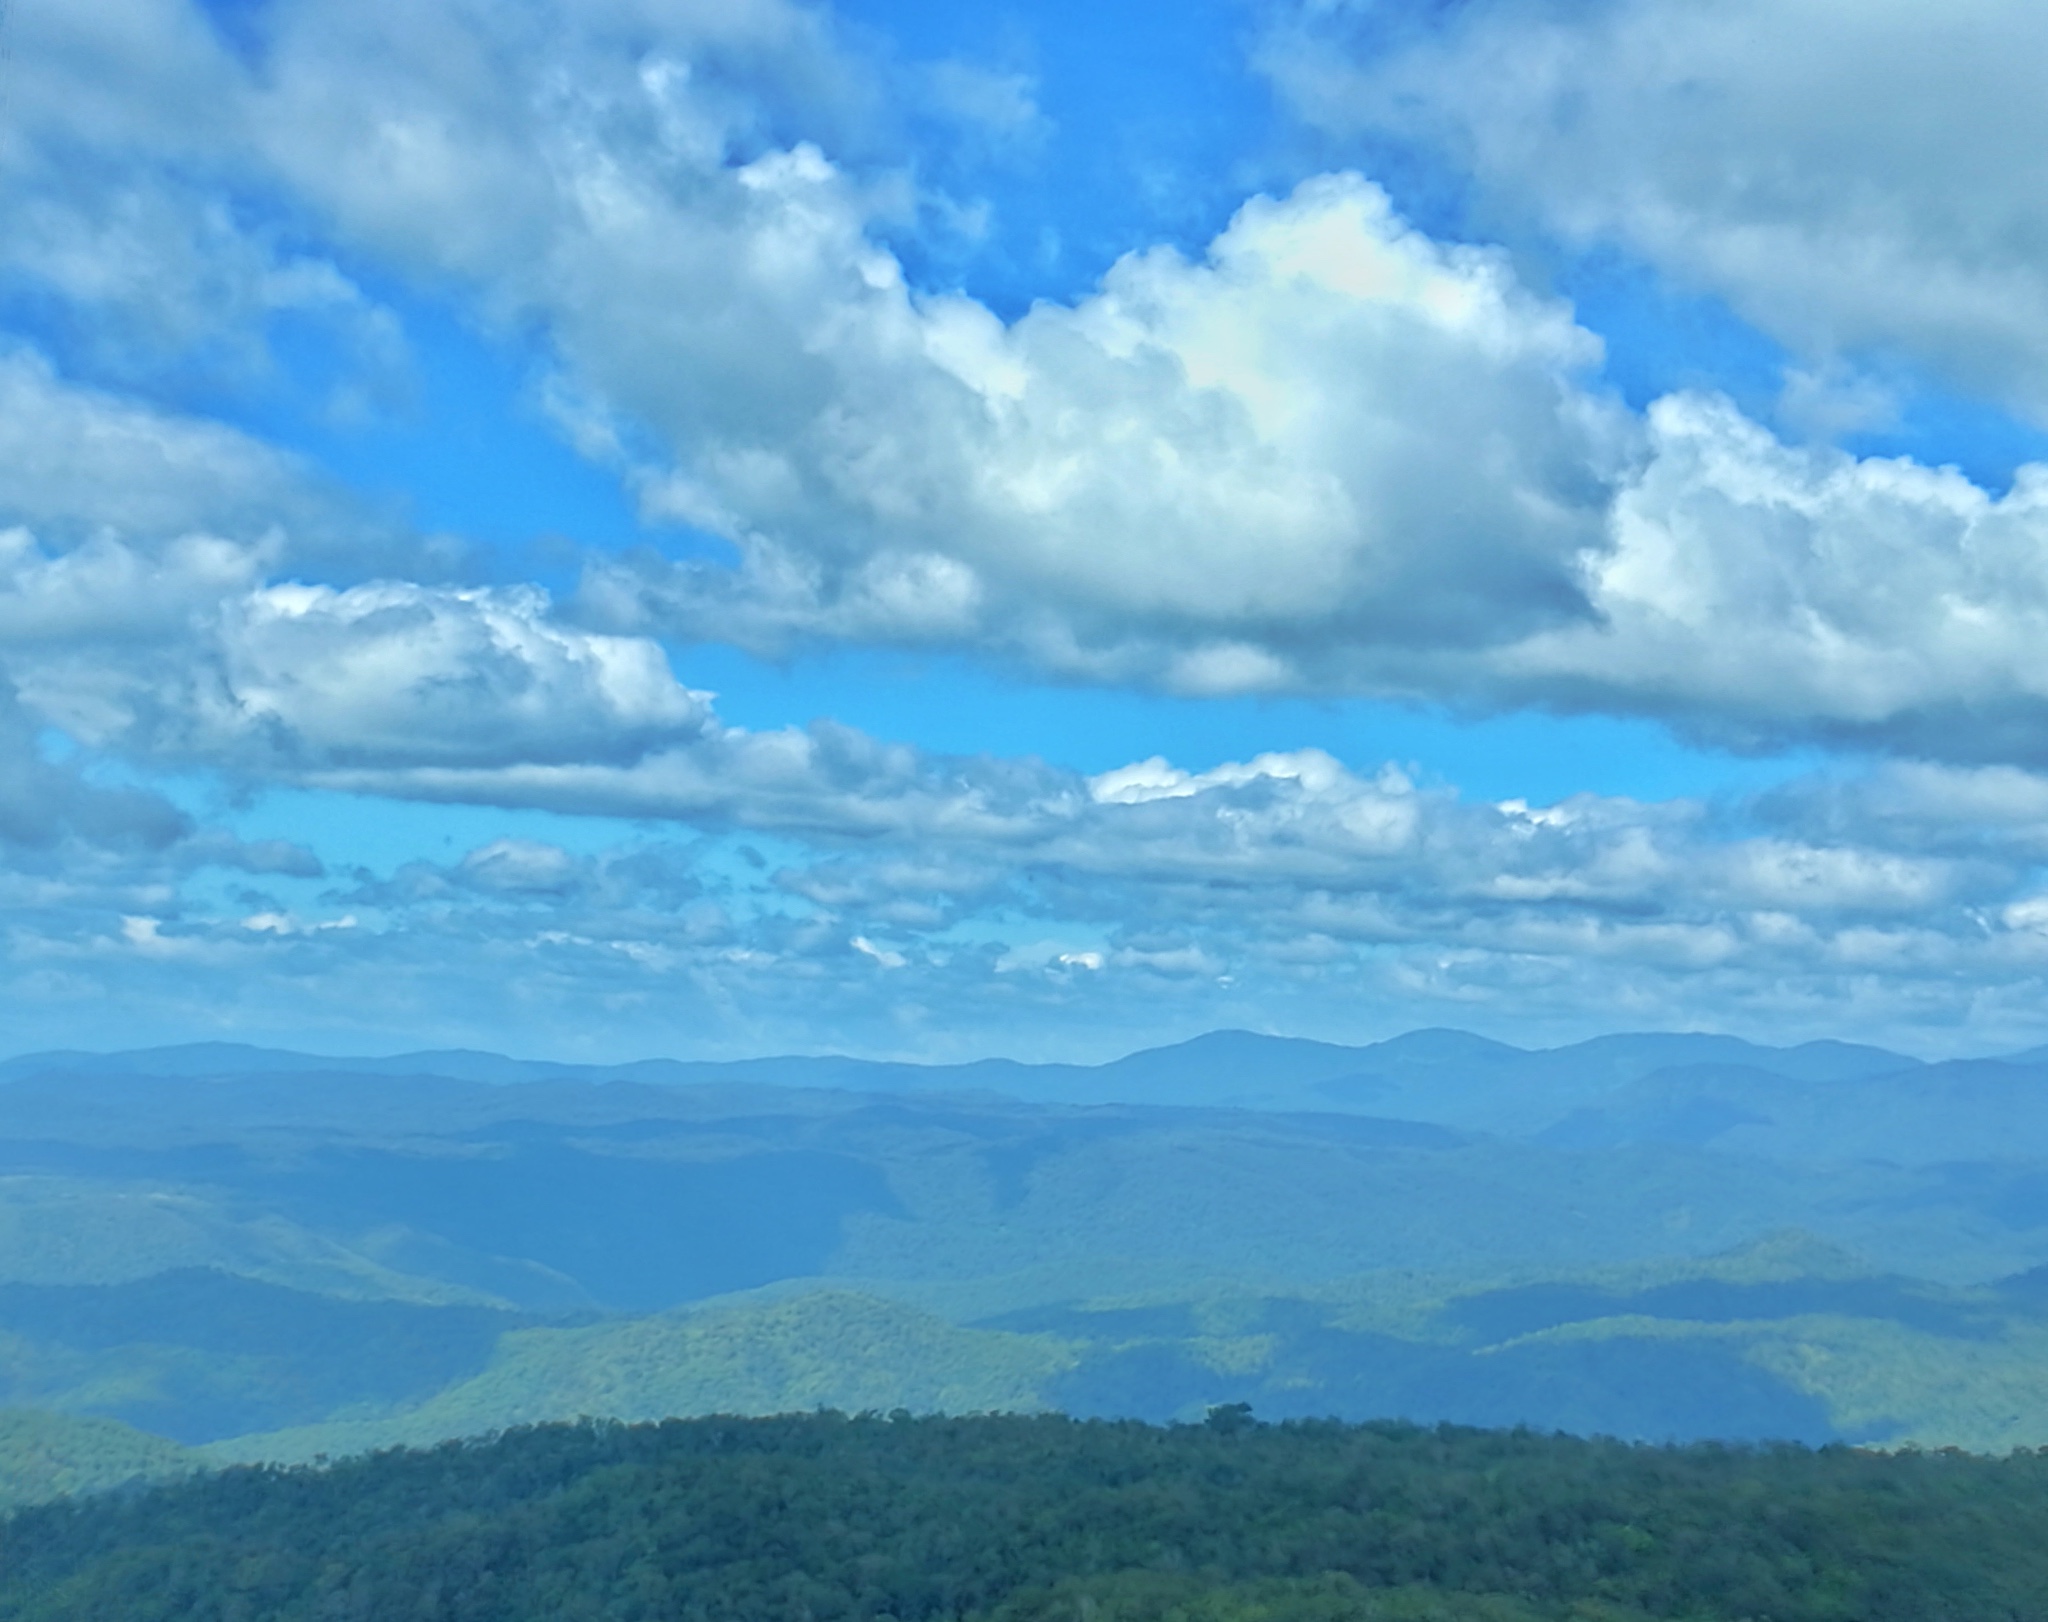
x=262 y=1254
x=1221 y=1067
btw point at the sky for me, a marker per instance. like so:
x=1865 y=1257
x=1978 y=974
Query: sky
x=717 y=527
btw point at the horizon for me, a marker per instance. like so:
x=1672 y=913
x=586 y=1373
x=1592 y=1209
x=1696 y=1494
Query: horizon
x=885 y=1059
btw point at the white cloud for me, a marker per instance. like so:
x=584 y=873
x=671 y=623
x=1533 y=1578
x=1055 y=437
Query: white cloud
x=1755 y=592
x=397 y=674
x=1853 y=178
x=1260 y=877
x=127 y=172
x=880 y=955
x=1038 y=912
x=1328 y=432
x=50 y=806
x=1327 y=454
x=84 y=462
x=1326 y=450
x=178 y=655
x=922 y=843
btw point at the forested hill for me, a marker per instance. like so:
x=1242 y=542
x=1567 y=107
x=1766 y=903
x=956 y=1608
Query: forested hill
x=1032 y=1519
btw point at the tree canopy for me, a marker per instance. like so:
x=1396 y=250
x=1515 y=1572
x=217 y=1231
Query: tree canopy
x=828 y=1518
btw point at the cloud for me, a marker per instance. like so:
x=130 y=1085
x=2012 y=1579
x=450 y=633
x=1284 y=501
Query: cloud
x=1329 y=432
x=179 y=653
x=1754 y=594
x=1854 y=179
x=1749 y=593
x=130 y=178
x=1290 y=890
x=96 y=475
x=1003 y=105
x=46 y=804
x=1326 y=454
x=1327 y=449
x=142 y=609
x=398 y=674
x=81 y=462
x=917 y=844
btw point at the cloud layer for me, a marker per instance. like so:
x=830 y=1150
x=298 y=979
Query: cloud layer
x=773 y=895
x=1323 y=453
x=1327 y=455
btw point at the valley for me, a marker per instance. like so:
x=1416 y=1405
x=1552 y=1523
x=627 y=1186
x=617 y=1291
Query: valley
x=271 y=1257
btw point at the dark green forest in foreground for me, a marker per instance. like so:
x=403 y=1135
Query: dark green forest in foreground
x=1035 y=1518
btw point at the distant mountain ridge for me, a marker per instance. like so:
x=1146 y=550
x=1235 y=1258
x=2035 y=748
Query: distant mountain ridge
x=1432 y=1074
x=276 y=1254
x=1818 y=1101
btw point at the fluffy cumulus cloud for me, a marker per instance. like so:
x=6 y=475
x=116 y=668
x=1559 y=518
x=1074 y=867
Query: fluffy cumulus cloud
x=153 y=600
x=1755 y=593
x=180 y=656
x=124 y=118
x=1854 y=178
x=1325 y=454
x=401 y=675
x=1328 y=450
x=1323 y=450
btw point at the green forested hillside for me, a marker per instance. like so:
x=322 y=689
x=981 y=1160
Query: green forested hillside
x=45 y=1456
x=1786 y=1339
x=197 y=1354
x=633 y=1199
x=829 y=1349
x=1032 y=1519
x=282 y=1265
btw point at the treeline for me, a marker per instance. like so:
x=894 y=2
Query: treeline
x=1046 y=1519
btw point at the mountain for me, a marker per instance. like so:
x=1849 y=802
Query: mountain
x=276 y=1256
x=830 y=1348
x=307 y=1262
x=553 y=1197
x=45 y=1456
x=1006 y=1518
x=1451 y=1077
x=197 y=1354
x=1787 y=1338
x=1961 y=1111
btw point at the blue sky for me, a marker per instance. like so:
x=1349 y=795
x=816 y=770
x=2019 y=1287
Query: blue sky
x=660 y=527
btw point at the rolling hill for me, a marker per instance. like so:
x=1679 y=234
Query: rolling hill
x=273 y=1255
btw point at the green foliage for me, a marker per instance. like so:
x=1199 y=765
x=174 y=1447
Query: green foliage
x=1159 y=1596
x=199 y=1354
x=828 y=1349
x=1116 y=1261
x=555 y=1198
x=1043 y=1519
x=1737 y=1347
x=80 y=1229
x=44 y=1456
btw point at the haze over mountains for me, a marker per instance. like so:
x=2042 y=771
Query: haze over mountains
x=266 y=1254
x=1231 y=1068
x=1826 y=1099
